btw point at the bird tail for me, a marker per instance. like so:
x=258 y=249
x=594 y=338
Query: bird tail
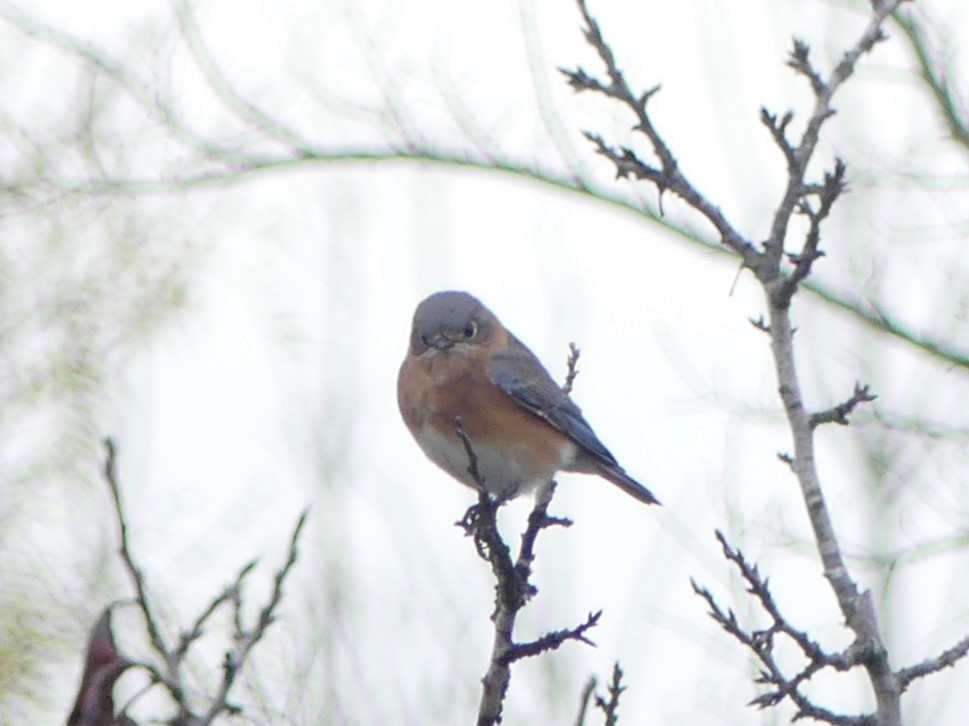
x=633 y=488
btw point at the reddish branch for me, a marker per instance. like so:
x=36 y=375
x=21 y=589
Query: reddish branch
x=103 y=665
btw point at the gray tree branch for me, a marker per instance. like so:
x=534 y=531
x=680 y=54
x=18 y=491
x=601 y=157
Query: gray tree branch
x=173 y=658
x=220 y=163
x=814 y=201
x=513 y=587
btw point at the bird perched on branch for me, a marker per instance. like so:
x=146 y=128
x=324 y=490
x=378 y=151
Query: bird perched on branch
x=464 y=368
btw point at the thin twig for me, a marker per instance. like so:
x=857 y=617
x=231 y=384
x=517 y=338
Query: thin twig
x=762 y=643
x=235 y=164
x=553 y=639
x=839 y=414
x=572 y=371
x=946 y=659
x=245 y=639
x=170 y=678
x=779 y=287
x=587 y=690
x=173 y=658
x=667 y=176
x=513 y=588
x=610 y=706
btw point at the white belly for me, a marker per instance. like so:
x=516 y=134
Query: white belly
x=506 y=471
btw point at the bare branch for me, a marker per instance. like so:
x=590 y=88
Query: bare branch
x=801 y=154
x=473 y=469
x=667 y=175
x=246 y=639
x=197 y=629
x=763 y=642
x=587 y=691
x=169 y=675
x=856 y=607
x=839 y=414
x=778 y=130
x=946 y=659
x=572 y=370
x=610 y=706
x=554 y=639
x=513 y=588
x=799 y=60
x=170 y=678
x=827 y=193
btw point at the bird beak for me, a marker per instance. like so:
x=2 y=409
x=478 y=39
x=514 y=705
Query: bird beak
x=441 y=341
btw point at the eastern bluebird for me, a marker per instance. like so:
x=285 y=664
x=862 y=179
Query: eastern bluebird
x=463 y=363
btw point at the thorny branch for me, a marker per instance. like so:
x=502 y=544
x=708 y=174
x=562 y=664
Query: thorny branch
x=169 y=676
x=839 y=414
x=513 y=588
x=554 y=639
x=219 y=162
x=667 y=176
x=610 y=706
x=174 y=657
x=946 y=659
x=244 y=639
x=814 y=201
x=572 y=370
x=762 y=643
x=827 y=193
x=237 y=166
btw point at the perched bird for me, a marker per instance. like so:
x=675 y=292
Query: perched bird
x=464 y=364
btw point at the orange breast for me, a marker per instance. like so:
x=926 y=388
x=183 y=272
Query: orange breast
x=434 y=389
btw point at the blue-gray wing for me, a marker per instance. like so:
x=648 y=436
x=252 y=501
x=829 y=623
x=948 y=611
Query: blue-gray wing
x=519 y=373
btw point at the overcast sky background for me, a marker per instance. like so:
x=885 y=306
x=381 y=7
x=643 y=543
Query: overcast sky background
x=274 y=387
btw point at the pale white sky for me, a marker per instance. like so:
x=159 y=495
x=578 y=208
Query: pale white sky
x=274 y=388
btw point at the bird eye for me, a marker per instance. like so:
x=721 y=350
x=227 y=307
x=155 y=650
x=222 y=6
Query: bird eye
x=470 y=330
